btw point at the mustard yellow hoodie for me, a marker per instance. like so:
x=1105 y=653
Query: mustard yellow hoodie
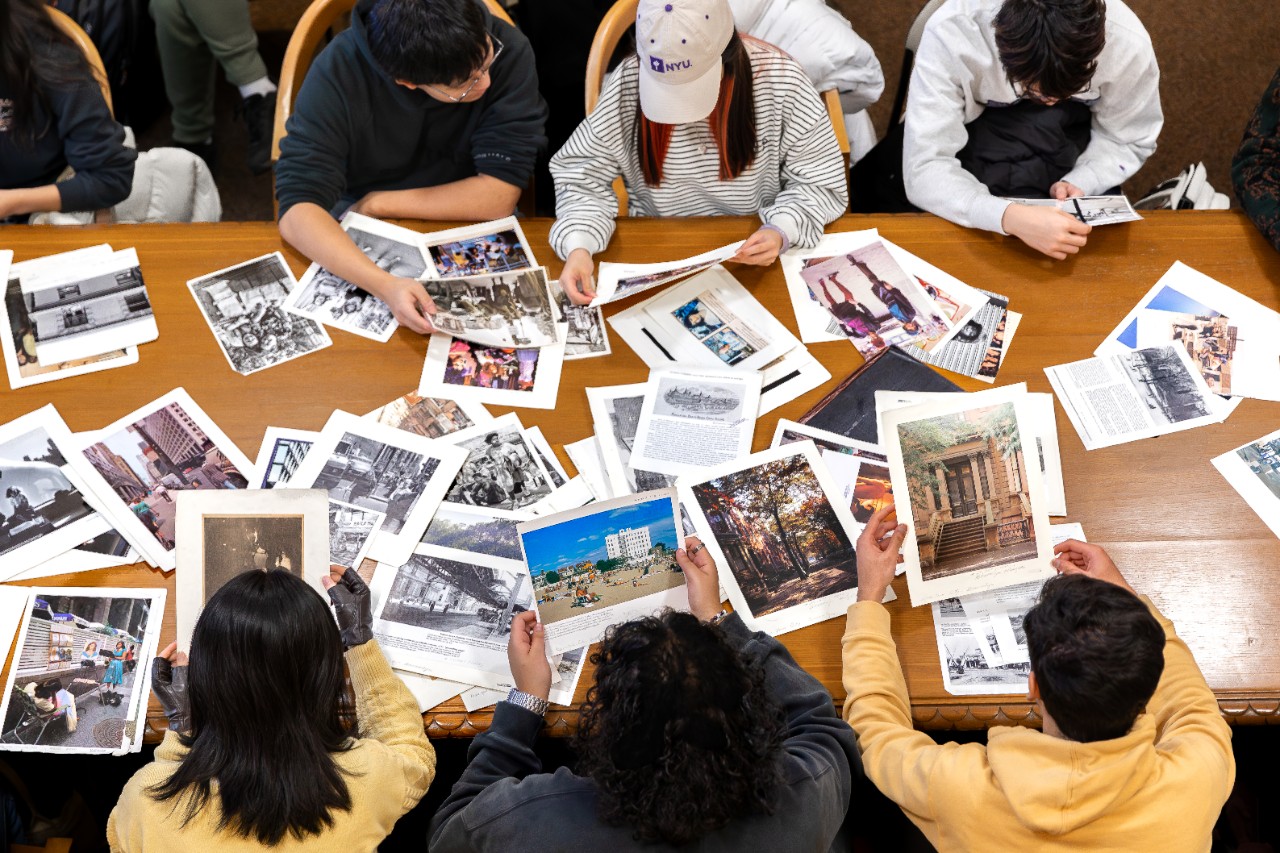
x=1160 y=787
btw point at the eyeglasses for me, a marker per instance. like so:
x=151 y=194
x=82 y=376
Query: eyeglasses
x=1031 y=93
x=497 y=46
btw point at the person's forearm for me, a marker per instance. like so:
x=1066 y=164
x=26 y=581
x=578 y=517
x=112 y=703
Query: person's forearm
x=476 y=198
x=315 y=233
x=29 y=200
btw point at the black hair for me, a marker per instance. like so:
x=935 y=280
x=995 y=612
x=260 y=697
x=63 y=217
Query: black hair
x=428 y=42
x=1052 y=45
x=265 y=686
x=733 y=124
x=1097 y=654
x=36 y=58
x=678 y=732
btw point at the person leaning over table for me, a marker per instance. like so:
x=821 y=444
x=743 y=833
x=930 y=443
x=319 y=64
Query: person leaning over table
x=1134 y=754
x=1255 y=171
x=256 y=756
x=697 y=733
x=422 y=109
x=700 y=122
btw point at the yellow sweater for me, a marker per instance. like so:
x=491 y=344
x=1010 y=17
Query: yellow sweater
x=1160 y=787
x=387 y=772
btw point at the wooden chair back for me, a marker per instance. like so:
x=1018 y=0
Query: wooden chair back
x=51 y=845
x=87 y=47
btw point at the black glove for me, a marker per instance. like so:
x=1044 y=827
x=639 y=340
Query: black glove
x=354 y=609
x=169 y=683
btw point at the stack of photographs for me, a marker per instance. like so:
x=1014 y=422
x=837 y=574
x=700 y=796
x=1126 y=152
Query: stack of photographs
x=244 y=307
x=615 y=412
x=860 y=471
x=500 y=309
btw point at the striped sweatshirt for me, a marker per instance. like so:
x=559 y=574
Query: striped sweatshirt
x=796 y=182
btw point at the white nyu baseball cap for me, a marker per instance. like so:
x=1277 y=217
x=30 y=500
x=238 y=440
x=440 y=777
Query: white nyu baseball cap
x=679 y=43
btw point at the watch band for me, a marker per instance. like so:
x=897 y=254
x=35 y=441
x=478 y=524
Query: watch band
x=719 y=617
x=528 y=701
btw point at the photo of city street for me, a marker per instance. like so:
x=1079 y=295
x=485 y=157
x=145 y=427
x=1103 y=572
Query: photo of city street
x=163 y=452
x=1164 y=384
x=466 y=599
x=603 y=559
x=36 y=498
x=371 y=475
x=1263 y=459
x=76 y=672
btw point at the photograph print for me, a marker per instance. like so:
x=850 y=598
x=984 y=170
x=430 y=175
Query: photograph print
x=81 y=670
x=502 y=470
x=476 y=600
x=781 y=537
x=1253 y=470
x=603 y=555
x=481 y=530
x=502 y=251
x=502 y=369
x=873 y=488
x=281 y=453
x=234 y=544
x=510 y=309
x=1164 y=384
x=586 y=334
x=244 y=307
x=876 y=303
x=616 y=414
x=43 y=512
x=371 y=475
x=429 y=416
x=350 y=531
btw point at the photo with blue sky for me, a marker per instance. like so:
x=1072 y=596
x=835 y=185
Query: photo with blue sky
x=571 y=542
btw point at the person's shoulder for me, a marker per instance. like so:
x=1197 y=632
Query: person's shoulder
x=964 y=16
x=1125 y=28
x=769 y=62
x=520 y=801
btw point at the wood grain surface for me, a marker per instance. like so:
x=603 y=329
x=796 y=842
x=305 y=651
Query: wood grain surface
x=1173 y=525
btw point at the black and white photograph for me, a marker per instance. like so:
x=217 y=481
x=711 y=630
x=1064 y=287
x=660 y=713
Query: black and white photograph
x=547 y=456
x=507 y=309
x=965 y=667
x=351 y=530
x=966 y=464
x=692 y=421
x=481 y=530
x=222 y=534
x=586 y=335
x=433 y=417
x=279 y=456
x=376 y=467
x=43 y=509
x=615 y=412
x=81 y=671
x=488 y=247
x=18 y=341
x=788 y=546
x=1164 y=385
x=1253 y=470
x=448 y=613
x=144 y=459
x=86 y=309
x=967 y=349
x=502 y=470
x=1090 y=209
x=326 y=298
x=244 y=307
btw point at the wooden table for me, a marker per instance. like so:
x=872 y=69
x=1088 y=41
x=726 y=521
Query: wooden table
x=1174 y=526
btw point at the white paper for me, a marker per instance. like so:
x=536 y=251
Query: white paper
x=973 y=450
x=577 y=597
x=781 y=536
x=46 y=497
x=430 y=692
x=815 y=322
x=377 y=467
x=326 y=298
x=1253 y=470
x=1133 y=395
x=460 y=370
x=1090 y=209
x=568 y=667
x=692 y=420
x=189 y=452
x=500 y=309
x=243 y=306
x=281 y=452
x=618 y=281
x=615 y=411
x=587 y=458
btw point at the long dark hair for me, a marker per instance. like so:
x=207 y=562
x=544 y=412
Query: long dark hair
x=35 y=58
x=265 y=686
x=733 y=121
x=678 y=732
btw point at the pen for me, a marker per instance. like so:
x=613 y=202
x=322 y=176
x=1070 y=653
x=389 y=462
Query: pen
x=1079 y=212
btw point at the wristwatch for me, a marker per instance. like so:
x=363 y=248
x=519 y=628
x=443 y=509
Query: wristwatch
x=719 y=617
x=528 y=701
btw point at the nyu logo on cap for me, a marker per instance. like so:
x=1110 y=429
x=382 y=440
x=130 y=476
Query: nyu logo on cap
x=657 y=64
x=680 y=43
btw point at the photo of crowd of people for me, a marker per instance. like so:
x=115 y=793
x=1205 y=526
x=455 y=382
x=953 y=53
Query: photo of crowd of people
x=506 y=309
x=499 y=252
x=501 y=472
x=473 y=365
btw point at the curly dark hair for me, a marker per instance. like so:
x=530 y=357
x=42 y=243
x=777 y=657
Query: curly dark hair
x=678 y=732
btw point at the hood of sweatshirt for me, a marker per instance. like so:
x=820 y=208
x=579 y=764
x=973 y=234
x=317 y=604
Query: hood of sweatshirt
x=1055 y=786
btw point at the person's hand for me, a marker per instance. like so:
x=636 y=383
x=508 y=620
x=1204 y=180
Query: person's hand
x=577 y=278
x=1080 y=558
x=700 y=579
x=760 y=249
x=1046 y=229
x=368 y=205
x=169 y=683
x=354 y=608
x=409 y=302
x=1063 y=190
x=527 y=654
x=878 y=548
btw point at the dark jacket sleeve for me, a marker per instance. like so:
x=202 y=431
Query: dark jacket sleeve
x=1255 y=171
x=818 y=739
x=313 y=154
x=93 y=144
x=512 y=130
x=505 y=751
